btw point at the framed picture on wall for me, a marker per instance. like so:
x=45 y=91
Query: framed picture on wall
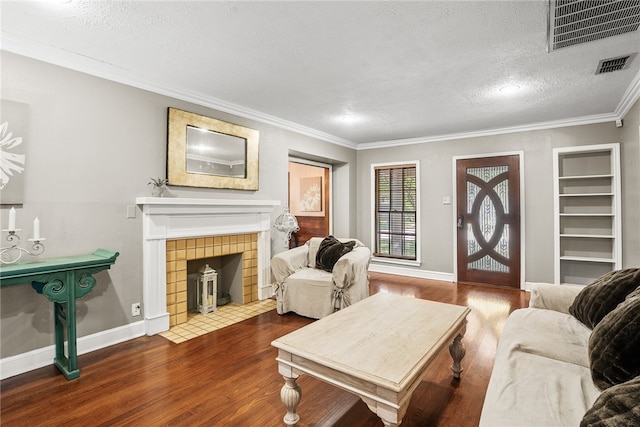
x=13 y=137
x=310 y=196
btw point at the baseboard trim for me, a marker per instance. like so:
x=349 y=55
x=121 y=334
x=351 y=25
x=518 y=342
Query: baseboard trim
x=157 y=324
x=425 y=274
x=25 y=362
x=411 y=272
x=266 y=292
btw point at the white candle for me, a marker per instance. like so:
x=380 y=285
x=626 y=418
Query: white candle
x=36 y=229
x=12 y=219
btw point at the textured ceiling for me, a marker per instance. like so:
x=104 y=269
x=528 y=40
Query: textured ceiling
x=355 y=72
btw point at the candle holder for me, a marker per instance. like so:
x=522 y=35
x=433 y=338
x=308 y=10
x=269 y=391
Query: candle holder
x=13 y=252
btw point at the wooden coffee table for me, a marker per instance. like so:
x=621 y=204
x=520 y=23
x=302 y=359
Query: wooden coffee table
x=378 y=349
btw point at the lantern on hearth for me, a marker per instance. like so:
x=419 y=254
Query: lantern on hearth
x=207 y=289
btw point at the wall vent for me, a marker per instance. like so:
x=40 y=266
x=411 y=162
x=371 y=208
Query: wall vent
x=574 y=22
x=614 y=64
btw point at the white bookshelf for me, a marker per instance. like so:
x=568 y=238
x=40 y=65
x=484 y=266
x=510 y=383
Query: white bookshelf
x=587 y=234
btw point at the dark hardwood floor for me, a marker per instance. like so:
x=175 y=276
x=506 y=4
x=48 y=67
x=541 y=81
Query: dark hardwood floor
x=229 y=377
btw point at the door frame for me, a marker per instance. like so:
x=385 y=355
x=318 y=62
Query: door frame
x=320 y=165
x=454 y=211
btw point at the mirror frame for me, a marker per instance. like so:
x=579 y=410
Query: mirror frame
x=177 y=174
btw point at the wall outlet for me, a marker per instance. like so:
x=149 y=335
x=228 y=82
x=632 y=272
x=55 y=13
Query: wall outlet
x=131 y=211
x=135 y=309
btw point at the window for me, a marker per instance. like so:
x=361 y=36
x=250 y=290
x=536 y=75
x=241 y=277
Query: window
x=395 y=212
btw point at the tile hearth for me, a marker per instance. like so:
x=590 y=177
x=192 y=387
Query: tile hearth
x=199 y=324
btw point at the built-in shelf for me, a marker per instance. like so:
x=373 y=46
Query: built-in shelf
x=597 y=236
x=586 y=259
x=586 y=195
x=587 y=236
x=562 y=178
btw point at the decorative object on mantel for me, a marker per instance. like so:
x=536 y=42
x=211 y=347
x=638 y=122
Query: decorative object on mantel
x=286 y=223
x=207 y=289
x=12 y=253
x=158 y=186
x=210 y=153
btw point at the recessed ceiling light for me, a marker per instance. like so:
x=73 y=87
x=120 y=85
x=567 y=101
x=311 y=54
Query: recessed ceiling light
x=349 y=118
x=509 y=89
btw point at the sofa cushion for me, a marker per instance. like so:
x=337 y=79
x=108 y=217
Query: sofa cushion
x=564 y=337
x=330 y=251
x=307 y=292
x=616 y=406
x=614 y=345
x=597 y=299
x=530 y=390
x=314 y=244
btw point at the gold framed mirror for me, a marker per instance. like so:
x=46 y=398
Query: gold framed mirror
x=210 y=153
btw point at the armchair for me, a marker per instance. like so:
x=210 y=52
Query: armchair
x=309 y=291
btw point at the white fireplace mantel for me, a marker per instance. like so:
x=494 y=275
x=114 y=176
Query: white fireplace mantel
x=180 y=218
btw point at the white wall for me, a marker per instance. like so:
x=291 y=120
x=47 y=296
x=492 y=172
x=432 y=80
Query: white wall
x=93 y=145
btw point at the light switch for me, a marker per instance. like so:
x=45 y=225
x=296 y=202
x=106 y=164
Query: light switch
x=446 y=200
x=131 y=211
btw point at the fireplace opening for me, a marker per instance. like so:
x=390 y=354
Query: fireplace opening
x=229 y=269
x=234 y=257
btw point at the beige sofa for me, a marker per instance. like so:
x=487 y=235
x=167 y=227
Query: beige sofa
x=302 y=288
x=541 y=375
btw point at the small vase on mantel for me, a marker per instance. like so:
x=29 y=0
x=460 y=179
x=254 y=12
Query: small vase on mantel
x=158 y=186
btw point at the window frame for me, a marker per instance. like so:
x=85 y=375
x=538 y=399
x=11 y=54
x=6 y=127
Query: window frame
x=374 y=240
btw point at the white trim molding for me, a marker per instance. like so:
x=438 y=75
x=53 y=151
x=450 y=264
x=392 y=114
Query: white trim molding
x=181 y=218
x=629 y=98
x=38 y=358
x=373 y=166
x=88 y=65
x=410 y=272
x=576 y=121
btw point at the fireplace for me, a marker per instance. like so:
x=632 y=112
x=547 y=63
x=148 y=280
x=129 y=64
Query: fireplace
x=181 y=252
x=176 y=230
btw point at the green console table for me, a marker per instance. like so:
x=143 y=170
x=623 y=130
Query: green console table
x=61 y=280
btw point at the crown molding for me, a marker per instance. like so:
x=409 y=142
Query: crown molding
x=95 y=67
x=105 y=70
x=586 y=120
x=629 y=98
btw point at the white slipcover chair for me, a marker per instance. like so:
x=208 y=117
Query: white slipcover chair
x=308 y=291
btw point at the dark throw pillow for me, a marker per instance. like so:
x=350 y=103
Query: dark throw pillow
x=617 y=406
x=330 y=251
x=614 y=345
x=597 y=299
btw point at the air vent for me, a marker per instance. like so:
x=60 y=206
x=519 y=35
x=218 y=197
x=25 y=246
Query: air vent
x=614 y=64
x=574 y=22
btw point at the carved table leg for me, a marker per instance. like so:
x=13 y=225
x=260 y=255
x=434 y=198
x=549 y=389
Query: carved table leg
x=457 y=351
x=390 y=416
x=291 y=395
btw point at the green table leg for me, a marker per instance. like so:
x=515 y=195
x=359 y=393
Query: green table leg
x=65 y=321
